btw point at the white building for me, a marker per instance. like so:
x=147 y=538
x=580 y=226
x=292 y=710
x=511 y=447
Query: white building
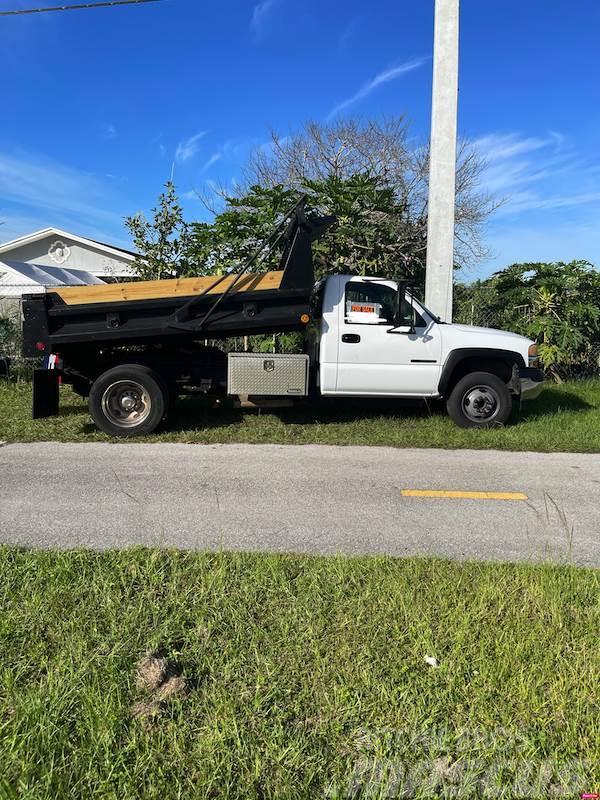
x=53 y=247
x=18 y=278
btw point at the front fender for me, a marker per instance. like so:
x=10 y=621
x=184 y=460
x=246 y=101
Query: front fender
x=510 y=357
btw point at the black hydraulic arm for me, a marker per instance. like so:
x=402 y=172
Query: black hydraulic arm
x=297 y=232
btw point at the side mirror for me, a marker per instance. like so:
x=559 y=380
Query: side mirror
x=405 y=312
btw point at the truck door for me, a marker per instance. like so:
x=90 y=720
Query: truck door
x=373 y=357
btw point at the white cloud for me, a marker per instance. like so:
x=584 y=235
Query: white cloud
x=552 y=199
x=530 y=201
x=559 y=138
x=212 y=160
x=269 y=145
x=349 y=32
x=157 y=140
x=260 y=13
x=14 y=225
x=188 y=148
x=230 y=150
x=383 y=77
x=501 y=146
x=237 y=148
x=53 y=190
x=109 y=131
x=535 y=173
x=539 y=241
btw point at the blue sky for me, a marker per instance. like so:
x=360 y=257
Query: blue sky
x=99 y=105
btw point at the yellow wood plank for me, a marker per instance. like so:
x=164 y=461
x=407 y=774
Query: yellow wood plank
x=458 y=495
x=155 y=290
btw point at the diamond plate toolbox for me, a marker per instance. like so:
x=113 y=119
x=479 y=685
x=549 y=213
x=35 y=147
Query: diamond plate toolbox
x=266 y=374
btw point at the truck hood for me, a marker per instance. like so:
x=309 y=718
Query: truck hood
x=457 y=336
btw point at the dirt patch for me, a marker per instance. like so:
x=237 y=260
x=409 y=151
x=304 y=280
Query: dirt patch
x=151 y=672
x=175 y=686
x=161 y=681
x=445 y=770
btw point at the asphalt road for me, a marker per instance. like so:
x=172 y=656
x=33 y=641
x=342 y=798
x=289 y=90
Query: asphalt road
x=305 y=499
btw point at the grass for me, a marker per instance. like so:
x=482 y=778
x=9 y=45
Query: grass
x=563 y=418
x=306 y=676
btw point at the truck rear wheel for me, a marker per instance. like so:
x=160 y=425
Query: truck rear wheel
x=480 y=400
x=129 y=400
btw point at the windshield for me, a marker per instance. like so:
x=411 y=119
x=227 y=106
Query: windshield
x=422 y=305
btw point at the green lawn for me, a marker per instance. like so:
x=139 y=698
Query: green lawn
x=304 y=677
x=563 y=418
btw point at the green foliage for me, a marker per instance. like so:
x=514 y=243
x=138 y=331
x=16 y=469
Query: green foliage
x=162 y=243
x=8 y=331
x=557 y=304
x=372 y=235
x=238 y=231
x=11 y=341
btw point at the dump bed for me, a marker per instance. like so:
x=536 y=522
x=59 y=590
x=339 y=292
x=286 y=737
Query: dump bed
x=237 y=303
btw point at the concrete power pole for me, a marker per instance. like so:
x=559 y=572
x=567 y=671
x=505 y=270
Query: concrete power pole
x=442 y=169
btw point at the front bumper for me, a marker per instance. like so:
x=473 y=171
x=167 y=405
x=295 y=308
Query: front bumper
x=531 y=380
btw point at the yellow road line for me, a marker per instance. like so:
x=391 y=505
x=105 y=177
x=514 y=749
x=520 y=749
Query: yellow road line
x=456 y=495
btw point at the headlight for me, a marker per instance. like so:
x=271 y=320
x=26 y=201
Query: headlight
x=534 y=359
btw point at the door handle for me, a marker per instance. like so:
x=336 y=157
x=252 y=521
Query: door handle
x=350 y=338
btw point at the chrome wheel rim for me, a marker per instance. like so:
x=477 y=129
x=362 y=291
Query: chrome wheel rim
x=480 y=403
x=126 y=404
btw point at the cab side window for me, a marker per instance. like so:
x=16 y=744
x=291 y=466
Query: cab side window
x=370 y=302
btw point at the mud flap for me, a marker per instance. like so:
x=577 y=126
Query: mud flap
x=45 y=393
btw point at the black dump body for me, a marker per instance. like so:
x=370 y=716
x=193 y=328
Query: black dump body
x=240 y=303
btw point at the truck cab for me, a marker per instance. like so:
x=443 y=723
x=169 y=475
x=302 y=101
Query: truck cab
x=376 y=339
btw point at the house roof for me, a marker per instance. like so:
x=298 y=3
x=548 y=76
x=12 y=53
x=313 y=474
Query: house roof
x=127 y=255
x=17 y=277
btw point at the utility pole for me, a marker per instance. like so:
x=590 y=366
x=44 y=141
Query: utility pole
x=442 y=167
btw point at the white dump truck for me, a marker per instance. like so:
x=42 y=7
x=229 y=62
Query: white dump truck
x=132 y=348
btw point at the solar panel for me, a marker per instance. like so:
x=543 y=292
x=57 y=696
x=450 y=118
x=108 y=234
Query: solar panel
x=46 y=276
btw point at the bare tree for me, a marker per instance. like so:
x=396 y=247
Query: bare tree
x=385 y=150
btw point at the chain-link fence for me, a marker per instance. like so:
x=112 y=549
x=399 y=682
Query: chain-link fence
x=11 y=360
x=11 y=337
x=474 y=307
x=484 y=306
x=11 y=315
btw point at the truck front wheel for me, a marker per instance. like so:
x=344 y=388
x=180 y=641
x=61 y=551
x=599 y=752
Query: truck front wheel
x=480 y=400
x=129 y=400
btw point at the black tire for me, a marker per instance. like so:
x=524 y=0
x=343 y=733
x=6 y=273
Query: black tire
x=480 y=400
x=128 y=400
